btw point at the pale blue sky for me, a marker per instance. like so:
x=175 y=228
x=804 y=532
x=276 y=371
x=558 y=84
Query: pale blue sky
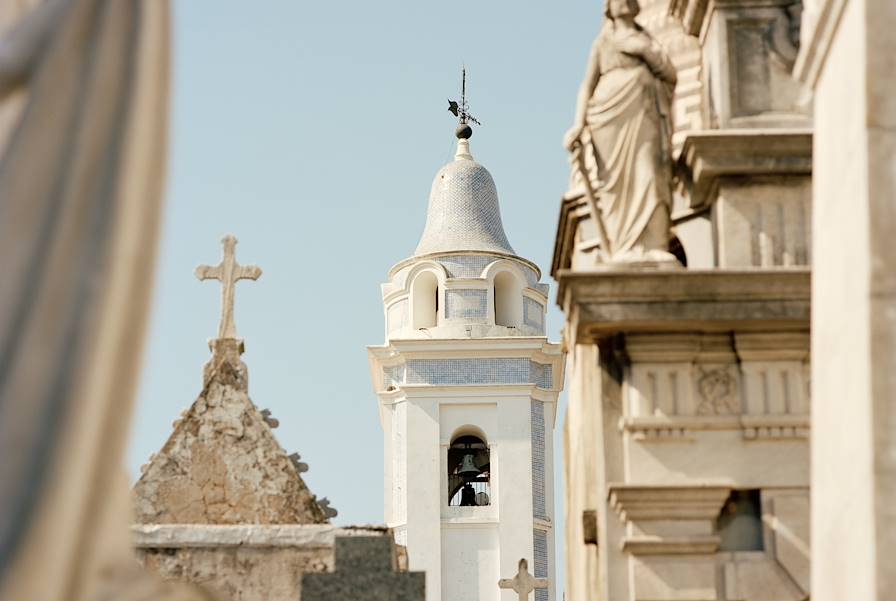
x=312 y=132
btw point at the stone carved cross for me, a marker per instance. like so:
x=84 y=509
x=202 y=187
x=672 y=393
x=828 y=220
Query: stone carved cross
x=523 y=583
x=228 y=272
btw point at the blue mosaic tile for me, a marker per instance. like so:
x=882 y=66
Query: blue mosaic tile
x=542 y=375
x=540 y=557
x=533 y=314
x=491 y=370
x=468 y=371
x=466 y=304
x=466 y=266
x=539 y=509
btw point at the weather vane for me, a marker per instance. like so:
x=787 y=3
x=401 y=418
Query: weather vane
x=461 y=109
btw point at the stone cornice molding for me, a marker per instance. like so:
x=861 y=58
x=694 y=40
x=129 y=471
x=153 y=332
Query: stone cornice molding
x=819 y=29
x=681 y=429
x=772 y=346
x=696 y=504
x=244 y=535
x=678 y=348
x=466 y=253
x=602 y=303
x=637 y=502
x=671 y=545
x=708 y=155
x=538 y=349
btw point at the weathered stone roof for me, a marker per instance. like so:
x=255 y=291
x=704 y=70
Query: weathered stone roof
x=222 y=464
x=463 y=212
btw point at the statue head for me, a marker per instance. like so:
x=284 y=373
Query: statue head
x=621 y=8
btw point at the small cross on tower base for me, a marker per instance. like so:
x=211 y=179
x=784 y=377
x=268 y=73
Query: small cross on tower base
x=523 y=583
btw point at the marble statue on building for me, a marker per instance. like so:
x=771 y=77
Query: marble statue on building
x=623 y=126
x=686 y=438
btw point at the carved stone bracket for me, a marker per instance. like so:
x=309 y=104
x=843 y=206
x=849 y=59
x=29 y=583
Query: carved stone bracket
x=648 y=511
x=710 y=155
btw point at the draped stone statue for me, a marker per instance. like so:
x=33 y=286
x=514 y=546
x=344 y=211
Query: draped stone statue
x=621 y=138
x=81 y=176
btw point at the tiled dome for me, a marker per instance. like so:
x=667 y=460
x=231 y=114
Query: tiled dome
x=463 y=210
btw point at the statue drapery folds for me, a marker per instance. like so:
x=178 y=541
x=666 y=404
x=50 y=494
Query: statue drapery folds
x=621 y=137
x=81 y=180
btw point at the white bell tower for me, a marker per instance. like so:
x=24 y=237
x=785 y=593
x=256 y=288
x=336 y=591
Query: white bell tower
x=467 y=385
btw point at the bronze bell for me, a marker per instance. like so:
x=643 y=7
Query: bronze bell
x=468 y=470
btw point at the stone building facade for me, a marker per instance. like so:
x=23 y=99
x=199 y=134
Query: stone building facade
x=687 y=434
x=848 y=59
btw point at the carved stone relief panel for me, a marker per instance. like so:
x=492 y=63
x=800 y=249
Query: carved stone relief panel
x=749 y=51
x=717 y=389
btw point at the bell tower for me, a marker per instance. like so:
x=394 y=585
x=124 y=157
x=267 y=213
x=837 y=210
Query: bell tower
x=467 y=386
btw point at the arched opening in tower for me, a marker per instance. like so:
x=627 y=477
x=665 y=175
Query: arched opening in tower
x=468 y=472
x=508 y=300
x=425 y=300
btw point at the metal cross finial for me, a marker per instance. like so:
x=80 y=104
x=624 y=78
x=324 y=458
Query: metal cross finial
x=523 y=583
x=461 y=109
x=228 y=272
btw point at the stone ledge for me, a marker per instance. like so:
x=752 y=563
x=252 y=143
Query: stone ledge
x=776 y=427
x=252 y=535
x=602 y=303
x=573 y=209
x=635 y=502
x=663 y=429
x=671 y=545
x=708 y=155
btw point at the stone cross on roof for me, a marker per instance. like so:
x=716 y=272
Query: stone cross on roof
x=228 y=272
x=523 y=583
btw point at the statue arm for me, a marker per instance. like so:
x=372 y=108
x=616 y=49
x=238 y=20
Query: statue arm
x=660 y=63
x=589 y=84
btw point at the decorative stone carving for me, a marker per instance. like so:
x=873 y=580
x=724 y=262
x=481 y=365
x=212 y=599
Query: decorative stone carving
x=523 y=583
x=718 y=392
x=228 y=272
x=222 y=464
x=621 y=138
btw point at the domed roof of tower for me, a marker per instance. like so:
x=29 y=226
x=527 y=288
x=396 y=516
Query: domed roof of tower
x=463 y=212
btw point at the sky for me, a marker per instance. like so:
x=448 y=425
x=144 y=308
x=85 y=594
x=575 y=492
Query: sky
x=312 y=131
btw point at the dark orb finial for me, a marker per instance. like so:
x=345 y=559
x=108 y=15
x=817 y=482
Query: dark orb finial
x=463 y=131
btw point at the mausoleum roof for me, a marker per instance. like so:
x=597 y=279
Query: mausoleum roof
x=463 y=212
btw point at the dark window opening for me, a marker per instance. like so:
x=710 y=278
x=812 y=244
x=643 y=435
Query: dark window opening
x=468 y=472
x=739 y=524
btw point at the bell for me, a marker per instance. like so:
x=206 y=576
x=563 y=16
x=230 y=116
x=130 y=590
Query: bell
x=468 y=470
